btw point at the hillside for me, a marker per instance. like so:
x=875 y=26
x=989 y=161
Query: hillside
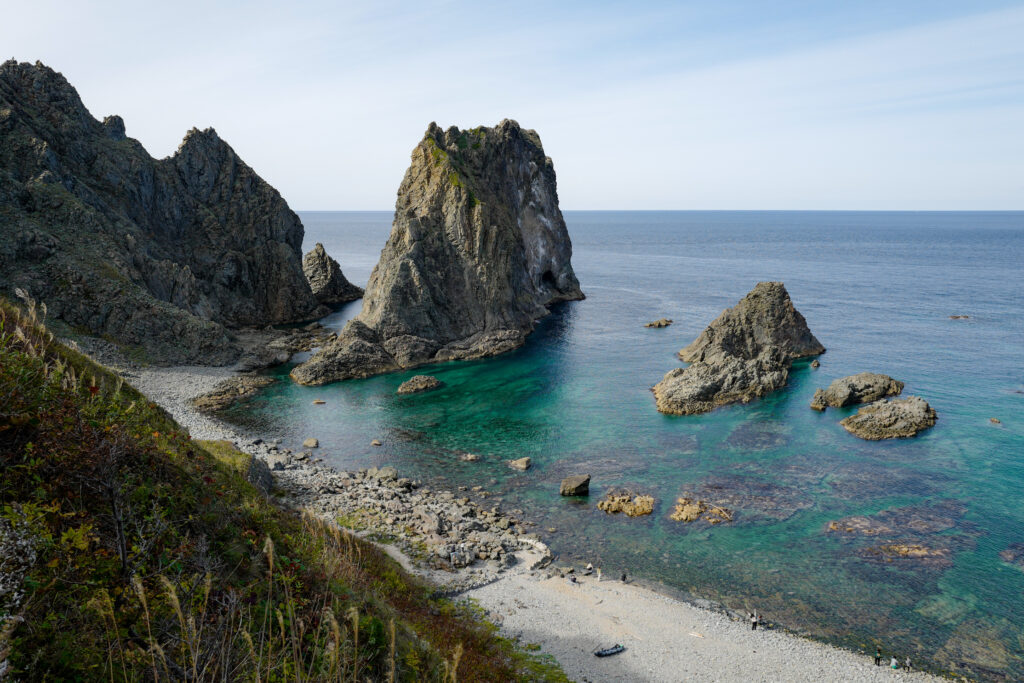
x=130 y=552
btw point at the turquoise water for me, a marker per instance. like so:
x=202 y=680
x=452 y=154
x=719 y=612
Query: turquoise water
x=876 y=288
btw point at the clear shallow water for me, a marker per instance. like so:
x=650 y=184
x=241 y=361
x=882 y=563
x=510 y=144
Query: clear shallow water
x=876 y=289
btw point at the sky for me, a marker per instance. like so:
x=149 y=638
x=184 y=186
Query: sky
x=641 y=105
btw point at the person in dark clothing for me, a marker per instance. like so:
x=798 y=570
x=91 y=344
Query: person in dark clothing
x=753 y=621
x=878 y=656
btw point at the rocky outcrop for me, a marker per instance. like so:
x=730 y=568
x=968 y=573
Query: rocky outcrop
x=576 y=485
x=863 y=387
x=160 y=255
x=660 y=322
x=328 y=283
x=418 y=384
x=230 y=391
x=891 y=419
x=691 y=509
x=744 y=354
x=478 y=253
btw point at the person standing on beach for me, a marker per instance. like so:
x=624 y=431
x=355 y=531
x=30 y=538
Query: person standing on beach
x=878 y=656
x=906 y=664
x=753 y=621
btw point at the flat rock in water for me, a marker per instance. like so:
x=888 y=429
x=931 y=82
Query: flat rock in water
x=744 y=354
x=418 y=384
x=576 y=485
x=311 y=443
x=891 y=419
x=863 y=387
x=478 y=252
x=520 y=464
x=660 y=322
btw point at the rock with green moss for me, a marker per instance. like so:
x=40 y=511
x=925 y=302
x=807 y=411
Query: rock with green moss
x=478 y=253
x=165 y=255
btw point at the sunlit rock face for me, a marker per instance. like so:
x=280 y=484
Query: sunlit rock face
x=478 y=253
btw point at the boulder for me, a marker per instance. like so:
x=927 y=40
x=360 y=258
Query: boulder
x=624 y=501
x=745 y=353
x=520 y=464
x=478 y=253
x=311 y=443
x=418 y=384
x=469 y=457
x=576 y=485
x=660 y=322
x=863 y=387
x=891 y=418
x=815 y=363
x=327 y=282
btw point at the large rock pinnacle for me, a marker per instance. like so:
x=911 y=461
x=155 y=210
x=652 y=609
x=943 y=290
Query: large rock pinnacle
x=477 y=253
x=745 y=353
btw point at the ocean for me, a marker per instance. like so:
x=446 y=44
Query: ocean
x=876 y=288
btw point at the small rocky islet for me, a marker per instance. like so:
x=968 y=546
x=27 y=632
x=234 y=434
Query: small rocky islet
x=743 y=354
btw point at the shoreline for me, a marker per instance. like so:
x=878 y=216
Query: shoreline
x=528 y=598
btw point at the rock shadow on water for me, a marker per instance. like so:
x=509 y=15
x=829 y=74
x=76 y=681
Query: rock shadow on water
x=758 y=436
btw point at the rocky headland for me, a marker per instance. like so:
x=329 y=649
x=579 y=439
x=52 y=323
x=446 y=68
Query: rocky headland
x=744 y=354
x=478 y=253
x=891 y=419
x=329 y=285
x=165 y=257
x=863 y=387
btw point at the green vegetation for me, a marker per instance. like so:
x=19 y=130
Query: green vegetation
x=145 y=556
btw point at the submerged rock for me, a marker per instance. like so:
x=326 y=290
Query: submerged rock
x=1014 y=555
x=690 y=510
x=891 y=419
x=863 y=387
x=157 y=254
x=418 y=384
x=326 y=280
x=576 y=485
x=478 y=253
x=522 y=464
x=744 y=354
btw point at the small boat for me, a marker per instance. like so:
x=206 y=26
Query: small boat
x=609 y=651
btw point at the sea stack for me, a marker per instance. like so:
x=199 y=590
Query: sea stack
x=745 y=353
x=161 y=255
x=478 y=253
x=330 y=286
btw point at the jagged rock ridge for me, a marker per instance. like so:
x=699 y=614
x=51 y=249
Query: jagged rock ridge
x=744 y=353
x=478 y=252
x=329 y=284
x=161 y=254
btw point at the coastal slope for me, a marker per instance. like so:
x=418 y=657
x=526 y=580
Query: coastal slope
x=477 y=253
x=162 y=255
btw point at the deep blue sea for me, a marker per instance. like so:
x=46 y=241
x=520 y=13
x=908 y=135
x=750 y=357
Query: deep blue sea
x=878 y=290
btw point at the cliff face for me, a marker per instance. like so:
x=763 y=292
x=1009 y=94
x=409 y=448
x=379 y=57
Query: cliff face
x=743 y=354
x=156 y=253
x=477 y=253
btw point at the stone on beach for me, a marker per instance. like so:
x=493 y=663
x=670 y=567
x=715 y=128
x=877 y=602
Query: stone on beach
x=863 y=387
x=230 y=391
x=891 y=419
x=417 y=384
x=576 y=485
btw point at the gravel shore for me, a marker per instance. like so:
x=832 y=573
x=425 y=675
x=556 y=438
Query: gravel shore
x=665 y=639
